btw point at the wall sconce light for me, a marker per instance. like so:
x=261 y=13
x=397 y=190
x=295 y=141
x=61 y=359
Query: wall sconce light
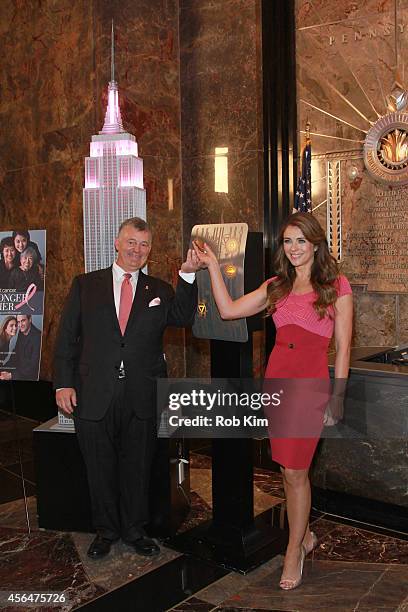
x=221 y=170
x=170 y=193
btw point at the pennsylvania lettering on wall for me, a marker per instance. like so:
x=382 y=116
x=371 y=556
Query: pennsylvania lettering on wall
x=22 y=282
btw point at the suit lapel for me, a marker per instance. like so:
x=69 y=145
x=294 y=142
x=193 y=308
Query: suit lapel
x=107 y=296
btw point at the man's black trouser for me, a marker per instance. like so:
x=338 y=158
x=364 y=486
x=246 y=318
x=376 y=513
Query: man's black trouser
x=118 y=452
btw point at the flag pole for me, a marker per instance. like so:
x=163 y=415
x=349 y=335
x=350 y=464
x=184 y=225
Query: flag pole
x=303 y=195
x=307 y=130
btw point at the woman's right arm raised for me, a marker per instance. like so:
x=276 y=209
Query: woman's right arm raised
x=245 y=306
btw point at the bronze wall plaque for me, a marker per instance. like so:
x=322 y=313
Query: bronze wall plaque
x=375 y=241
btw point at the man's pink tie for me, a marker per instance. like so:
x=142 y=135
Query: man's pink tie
x=126 y=299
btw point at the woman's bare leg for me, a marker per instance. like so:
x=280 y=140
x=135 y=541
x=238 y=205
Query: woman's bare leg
x=298 y=500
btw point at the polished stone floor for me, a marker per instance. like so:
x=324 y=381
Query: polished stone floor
x=355 y=566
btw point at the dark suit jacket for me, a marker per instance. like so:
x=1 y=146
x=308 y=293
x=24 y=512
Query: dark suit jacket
x=27 y=355
x=90 y=347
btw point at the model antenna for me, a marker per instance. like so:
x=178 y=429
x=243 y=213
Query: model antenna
x=112 y=54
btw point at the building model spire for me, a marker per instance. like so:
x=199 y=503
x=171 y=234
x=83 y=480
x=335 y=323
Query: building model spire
x=112 y=54
x=113 y=120
x=113 y=182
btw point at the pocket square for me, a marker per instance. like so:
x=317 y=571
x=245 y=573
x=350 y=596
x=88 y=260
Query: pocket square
x=155 y=302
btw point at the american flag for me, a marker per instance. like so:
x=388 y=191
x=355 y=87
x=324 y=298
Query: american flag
x=303 y=196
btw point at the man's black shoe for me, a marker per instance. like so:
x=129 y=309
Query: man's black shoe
x=99 y=548
x=144 y=546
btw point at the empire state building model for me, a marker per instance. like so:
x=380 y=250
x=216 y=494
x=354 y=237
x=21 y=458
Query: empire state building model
x=113 y=183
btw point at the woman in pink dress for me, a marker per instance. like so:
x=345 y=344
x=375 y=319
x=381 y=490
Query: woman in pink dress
x=309 y=301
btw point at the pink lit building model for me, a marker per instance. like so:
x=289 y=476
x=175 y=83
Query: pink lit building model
x=113 y=183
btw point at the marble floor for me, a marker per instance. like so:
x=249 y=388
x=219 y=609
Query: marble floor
x=355 y=566
x=16 y=464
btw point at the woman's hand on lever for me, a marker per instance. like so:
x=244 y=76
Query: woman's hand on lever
x=204 y=253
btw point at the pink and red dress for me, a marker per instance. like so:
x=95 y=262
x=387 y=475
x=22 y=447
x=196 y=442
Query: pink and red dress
x=300 y=352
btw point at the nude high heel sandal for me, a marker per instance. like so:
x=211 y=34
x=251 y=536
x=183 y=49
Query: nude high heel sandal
x=288 y=584
x=314 y=544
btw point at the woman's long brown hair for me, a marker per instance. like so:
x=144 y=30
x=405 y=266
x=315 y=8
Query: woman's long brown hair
x=3 y=334
x=324 y=271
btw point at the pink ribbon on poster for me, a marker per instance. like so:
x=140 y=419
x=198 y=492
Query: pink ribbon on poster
x=31 y=290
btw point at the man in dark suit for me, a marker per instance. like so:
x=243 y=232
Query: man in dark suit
x=109 y=351
x=27 y=349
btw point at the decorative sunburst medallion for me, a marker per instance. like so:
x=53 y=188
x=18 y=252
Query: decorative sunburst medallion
x=386 y=149
x=232 y=245
x=393 y=152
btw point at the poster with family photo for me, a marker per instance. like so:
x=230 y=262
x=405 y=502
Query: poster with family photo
x=22 y=281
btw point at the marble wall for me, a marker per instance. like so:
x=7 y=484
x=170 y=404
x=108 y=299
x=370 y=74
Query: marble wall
x=56 y=67
x=346 y=66
x=221 y=106
x=47 y=114
x=189 y=80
